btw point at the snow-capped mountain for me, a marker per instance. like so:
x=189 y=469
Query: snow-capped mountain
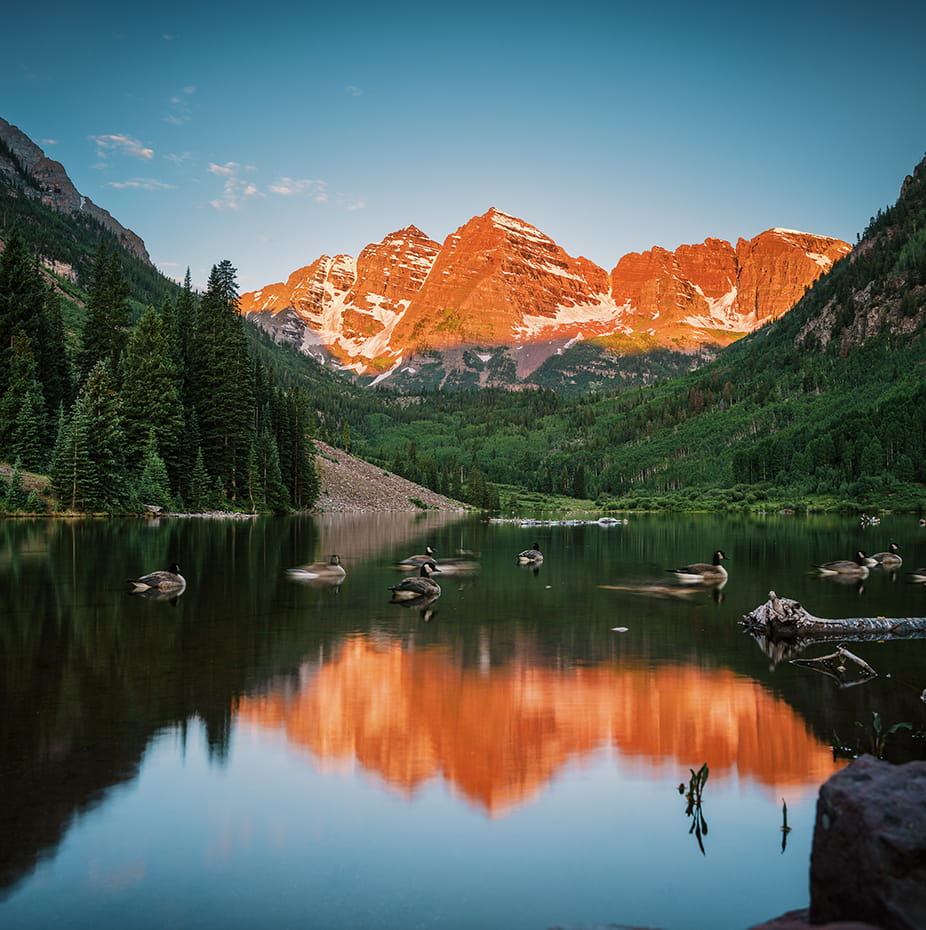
x=498 y=281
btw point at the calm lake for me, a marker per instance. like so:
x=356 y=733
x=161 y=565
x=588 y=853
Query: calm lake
x=264 y=753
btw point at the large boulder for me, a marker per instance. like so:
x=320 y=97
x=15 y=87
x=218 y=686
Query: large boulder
x=868 y=860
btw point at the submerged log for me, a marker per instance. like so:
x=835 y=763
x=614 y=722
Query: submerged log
x=784 y=618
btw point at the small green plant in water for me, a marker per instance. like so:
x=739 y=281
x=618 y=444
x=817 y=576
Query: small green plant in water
x=875 y=738
x=693 y=796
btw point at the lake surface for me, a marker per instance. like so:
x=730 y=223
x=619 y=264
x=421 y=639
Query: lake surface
x=265 y=753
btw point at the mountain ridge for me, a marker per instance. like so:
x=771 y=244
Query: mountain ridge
x=499 y=281
x=25 y=165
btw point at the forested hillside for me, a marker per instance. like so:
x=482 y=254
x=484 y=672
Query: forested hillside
x=170 y=412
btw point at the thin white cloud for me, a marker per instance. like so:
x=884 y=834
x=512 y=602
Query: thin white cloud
x=292 y=187
x=227 y=170
x=178 y=159
x=180 y=109
x=353 y=90
x=48 y=141
x=235 y=188
x=355 y=205
x=123 y=144
x=147 y=184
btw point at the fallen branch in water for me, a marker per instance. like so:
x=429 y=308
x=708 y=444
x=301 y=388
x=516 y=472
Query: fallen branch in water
x=784 y=618
x=840 y=656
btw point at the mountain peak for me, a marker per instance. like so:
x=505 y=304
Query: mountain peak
x=46 y=180
x=499 y=281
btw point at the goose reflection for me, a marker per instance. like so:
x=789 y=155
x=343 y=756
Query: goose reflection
x=156 y=594
x=319 y=574
x=679 y=589
x=423 y=604
x=847 y=581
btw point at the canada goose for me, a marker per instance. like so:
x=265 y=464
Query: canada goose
x=420 y=585
x=889 y=559
x=856 y=567
x=918 y=575
x=171 y=580
x=531 y=555
x=700 y=572
x=416 y=561
x=330 y=570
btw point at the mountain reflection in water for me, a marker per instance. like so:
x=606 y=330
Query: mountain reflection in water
x=499 y=736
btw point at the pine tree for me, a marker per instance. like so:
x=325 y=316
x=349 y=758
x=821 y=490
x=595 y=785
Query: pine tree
x=30 y=431
x=107 y=314
x=198 y=494
x=20 y=429
x=222 y=382
x=268 y=490
x=151 y=396
x=153 y=485
x=180 y=317
x=22 y=299
x=17 y=498
x=52 y=356
x=302 y=475
x=88 y=467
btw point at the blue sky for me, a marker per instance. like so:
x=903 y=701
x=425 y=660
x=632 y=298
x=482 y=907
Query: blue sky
x=270 y=133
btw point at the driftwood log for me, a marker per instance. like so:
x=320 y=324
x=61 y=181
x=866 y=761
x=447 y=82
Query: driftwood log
x=781 y=618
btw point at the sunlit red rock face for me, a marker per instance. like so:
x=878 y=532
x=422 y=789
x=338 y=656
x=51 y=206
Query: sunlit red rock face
x=498 y=281
x=713 y=292
x=499 y=738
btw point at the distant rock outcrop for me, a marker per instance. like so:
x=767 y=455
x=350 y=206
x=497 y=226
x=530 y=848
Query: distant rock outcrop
x=498 y=281
x=53 y=187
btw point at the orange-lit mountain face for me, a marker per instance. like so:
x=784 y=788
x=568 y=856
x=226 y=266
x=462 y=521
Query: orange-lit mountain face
x=500 y=739
x=498 y=281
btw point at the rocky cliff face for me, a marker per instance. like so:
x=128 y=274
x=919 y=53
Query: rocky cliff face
x=53 y=186
x=716 y=293
x=498 y=281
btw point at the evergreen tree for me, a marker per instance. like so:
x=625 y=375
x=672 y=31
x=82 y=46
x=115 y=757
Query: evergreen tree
x=151 y=396
x=17 y=498
x=222 y=382
x=30 y=431
x=22 y=300
x=23 y=433
x=153 y=486
x=52 y=356
x=198 y=494
x=180 y=317
x=88 y=466
x=578 y=484
x=268 y=491
x=302 y=475
x=107 y=314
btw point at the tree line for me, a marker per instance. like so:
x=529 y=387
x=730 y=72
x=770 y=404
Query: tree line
x=170 y=411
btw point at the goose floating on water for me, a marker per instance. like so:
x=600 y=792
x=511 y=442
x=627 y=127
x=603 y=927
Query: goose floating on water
x=330 y=570
x=858 y=566
x=531 y=555
x=420 y=585
x=416 y=561
x=700 y=572
x=889 y=559
x=170 y=580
